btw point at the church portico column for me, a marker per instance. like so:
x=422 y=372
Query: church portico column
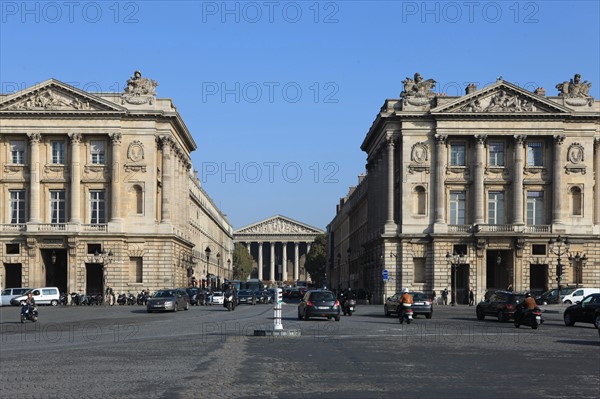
x=75 y=177
x=296 y=261
x=284 y=261
x=307 y=247
x=260 y=261
x=115 y=181
x=597 y=182
x=557 y=186
x=34 y=173
x=440 y=155
x=518 y=180
x=478 y=179
x=272 y=266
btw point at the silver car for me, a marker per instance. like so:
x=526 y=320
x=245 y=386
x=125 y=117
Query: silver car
x=172 y=299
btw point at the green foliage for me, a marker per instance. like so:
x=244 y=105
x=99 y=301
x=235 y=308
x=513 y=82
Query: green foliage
x=316 y=259
x=242 y=262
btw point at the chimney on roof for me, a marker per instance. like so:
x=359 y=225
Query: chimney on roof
x=540 y=91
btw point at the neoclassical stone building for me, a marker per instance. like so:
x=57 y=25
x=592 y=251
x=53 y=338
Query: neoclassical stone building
x=97 y=190
x=278 y=246
x=494 y=175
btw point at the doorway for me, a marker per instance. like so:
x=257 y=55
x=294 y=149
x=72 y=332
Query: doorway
x=55 y=264
x=14 y=275
x=93 y=279
x=461 y=285
x=538 y=278
x=498 y=270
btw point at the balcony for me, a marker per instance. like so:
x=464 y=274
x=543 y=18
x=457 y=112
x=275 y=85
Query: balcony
x=52 y=227
x=95 y=227
x=459 y=228
x=496 y=228
x=537 y=229
x=13 y=227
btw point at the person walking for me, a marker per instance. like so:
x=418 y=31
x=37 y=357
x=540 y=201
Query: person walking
x=445 y=296
x=434 y=297
x=471 y=297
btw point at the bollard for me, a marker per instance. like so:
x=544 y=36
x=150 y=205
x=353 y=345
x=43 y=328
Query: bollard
x=277 y=310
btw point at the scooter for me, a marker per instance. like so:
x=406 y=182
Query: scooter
x=349 y=306
x=531 y=318
x=122 y=299
x=28 y=312
x=406 y=314
x=229 y=302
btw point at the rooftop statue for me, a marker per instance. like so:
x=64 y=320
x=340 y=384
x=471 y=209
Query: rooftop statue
x=139 y=90
x=575 y=89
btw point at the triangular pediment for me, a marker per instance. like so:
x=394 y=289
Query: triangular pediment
x=501 y=98
x=278 y=225
x=54 y=96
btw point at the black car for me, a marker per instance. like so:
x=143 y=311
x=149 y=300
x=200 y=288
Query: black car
x=262 y=296
x=421 y=304
x=319 y=303
x=193 y=294
x=502 y=304
x=550 y=296
x=586 y=311
x=247 y=297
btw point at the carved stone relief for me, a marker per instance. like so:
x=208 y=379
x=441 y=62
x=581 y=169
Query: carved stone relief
x=139 y=90
x=575 y=155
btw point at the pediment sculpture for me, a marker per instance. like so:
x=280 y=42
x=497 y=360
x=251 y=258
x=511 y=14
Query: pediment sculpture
x=277 y=226
x=51 y=99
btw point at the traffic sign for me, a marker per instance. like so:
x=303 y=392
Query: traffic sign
x=385 y=275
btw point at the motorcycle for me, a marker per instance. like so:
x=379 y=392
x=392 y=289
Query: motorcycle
x=348 y=306
x=63 y=299
x=142 y=298
x=122 y=299
x=405 y=314
x=131 y=299
x=28 y=312
x=75 y=298
x=229 y=302
x=531 y=318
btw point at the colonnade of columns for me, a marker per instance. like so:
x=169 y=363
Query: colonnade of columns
x=283 y=255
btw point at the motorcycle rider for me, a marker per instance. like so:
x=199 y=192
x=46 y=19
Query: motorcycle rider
x=406 y=301
x=527 y=306
x=28 y=304
x=349 y=295
x=231 y=291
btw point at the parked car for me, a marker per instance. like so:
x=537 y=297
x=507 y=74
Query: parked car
x=9 y=293
x=247 y=297
x=586 y=311
x=193 y=293
x=579 y=294
x=550 y=296
x=42 y=296
x=421 y=304
x=172 y=299
x=502 y=304
x=319 y=303
x=217 y=298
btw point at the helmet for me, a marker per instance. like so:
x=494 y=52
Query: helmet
x=405 y=290
x=527 y=295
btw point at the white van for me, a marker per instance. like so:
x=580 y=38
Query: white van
x=577 y=295
x=41 y=296
x=9 y=293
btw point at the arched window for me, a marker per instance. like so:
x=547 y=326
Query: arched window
x=420 y=200
x=576 y=200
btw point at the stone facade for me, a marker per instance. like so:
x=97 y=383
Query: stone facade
x=493 y=175
x=97 y=190
x=278 y=246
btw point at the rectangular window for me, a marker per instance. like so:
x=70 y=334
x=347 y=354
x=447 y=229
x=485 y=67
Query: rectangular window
x=419 y=272
x=58 y=152
x=538 y=249
x=457 y=154
x=535 y=207
x=136 y=269
x=457 y=207
x=57 y=206
x=496 y=207
x=496 y=154
x=17 y=206
x=97 y=207
x=535 y=153
x=17 y=152
x=97 y=152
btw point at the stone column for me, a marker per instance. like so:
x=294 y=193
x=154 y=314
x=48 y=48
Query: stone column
x=307 y=247
x=597 y=182
x=296 y=261
x=518 y=180
x=479 y=192
x=165 y=214
x=440 y=155
x=390 y=226
x=284 y=262
x=557 y=174
x=115 y=181
x=249 y=247
x=272 y=268
x=75 y=177
x=34 y=173
x=260 y=261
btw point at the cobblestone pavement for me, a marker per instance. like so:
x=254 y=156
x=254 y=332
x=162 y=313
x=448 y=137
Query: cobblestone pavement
x=123 y=352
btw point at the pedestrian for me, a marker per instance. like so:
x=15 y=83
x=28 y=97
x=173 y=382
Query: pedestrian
x=509 y=288
x=445 y=296
x=471 y=298
x=434 y=297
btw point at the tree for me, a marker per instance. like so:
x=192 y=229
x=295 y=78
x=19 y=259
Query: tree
x=316 y=260
x=242 y=262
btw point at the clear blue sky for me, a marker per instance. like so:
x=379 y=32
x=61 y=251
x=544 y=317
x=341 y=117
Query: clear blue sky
x=279 y=94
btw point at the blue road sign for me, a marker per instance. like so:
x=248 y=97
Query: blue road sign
x=385 y=275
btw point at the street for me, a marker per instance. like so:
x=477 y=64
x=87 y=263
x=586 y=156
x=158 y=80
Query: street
x=124 y=352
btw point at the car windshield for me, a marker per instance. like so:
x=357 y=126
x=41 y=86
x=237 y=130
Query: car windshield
x=322 y=296
x=245 y=292
x=164 y=294
x=217 y=294
x=419 y=296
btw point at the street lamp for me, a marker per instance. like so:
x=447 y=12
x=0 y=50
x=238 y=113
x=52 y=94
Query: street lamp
x=559 y=247
x=207 y=253
x=348 y=251
x=578 y=262
x=229 y=268
x=454 y=261
x=218 y=269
